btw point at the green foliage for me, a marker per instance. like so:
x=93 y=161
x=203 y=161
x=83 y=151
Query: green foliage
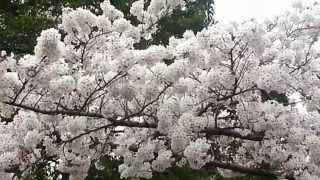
x=195 y=17
x=21 y=23
x=185 y=173
x=219 y=177
x=281 y=98
x=110 y=172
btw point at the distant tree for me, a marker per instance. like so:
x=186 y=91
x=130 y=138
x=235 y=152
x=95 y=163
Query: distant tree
x=22 y=21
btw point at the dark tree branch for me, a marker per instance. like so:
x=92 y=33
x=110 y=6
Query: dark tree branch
x=54 y=112
x=254 y=136
x=241 y=169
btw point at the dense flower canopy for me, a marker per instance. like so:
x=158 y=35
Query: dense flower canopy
x=90 y=94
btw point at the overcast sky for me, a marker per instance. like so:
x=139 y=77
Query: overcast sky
x=239 y=10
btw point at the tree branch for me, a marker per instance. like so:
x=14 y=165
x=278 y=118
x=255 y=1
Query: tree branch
x=241 y=169
x=255 y=136
x=115 y=122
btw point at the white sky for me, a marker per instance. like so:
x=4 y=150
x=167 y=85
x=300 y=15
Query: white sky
x=240 y=10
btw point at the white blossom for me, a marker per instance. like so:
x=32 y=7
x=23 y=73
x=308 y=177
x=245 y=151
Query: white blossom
x=196 y=153
x=221 y=100
x=163 y=161
x=49 y=45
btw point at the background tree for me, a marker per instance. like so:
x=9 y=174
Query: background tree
x=22 y=21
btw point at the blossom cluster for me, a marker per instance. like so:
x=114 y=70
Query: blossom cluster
x=91 y=94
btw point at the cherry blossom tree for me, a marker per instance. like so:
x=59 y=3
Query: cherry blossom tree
x=92 y=95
